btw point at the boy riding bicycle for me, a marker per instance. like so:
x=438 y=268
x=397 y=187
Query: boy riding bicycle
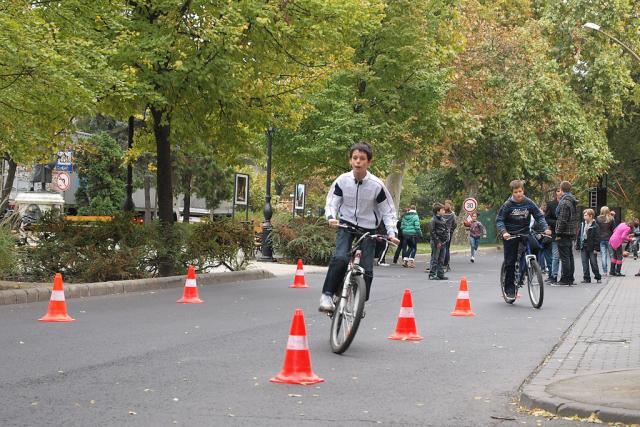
x=359 y=199
x=514 y=217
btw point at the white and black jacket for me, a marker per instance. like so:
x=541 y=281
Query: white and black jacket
x=362 y=203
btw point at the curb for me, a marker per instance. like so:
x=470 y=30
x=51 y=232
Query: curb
x=82 y=290
x=535 y=396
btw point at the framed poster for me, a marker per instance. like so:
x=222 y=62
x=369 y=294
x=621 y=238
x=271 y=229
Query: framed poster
x=300 y=196
x=241 y=190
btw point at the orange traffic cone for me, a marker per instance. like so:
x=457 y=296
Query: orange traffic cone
x=297 y=359
x=406 y=327
x=57 y=305
x=298 y=281
x=190 y=294
x=463 y=303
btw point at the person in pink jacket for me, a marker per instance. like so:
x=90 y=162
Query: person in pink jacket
x=620 y=235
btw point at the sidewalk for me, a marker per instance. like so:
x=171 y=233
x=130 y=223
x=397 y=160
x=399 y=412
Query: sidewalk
x=596 y=367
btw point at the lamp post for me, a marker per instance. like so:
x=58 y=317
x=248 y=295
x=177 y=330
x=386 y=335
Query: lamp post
x=596 y=27
x=129 y=206
x=267 y=228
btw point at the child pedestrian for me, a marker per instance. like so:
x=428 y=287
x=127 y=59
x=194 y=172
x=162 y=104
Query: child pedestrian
x=410 y=232
x=619 y=236
x=476 y=230
x=439 y=239
x=605 y=230
x=588 y=243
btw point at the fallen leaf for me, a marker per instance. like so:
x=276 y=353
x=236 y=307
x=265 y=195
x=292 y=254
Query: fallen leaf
x=294 y=395
x=133 y=413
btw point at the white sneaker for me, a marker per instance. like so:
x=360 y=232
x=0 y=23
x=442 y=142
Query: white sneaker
x=326 y=304
x=473 y=259
x=383 y=264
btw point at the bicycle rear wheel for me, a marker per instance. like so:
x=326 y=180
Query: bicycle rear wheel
x=535 y=284
x=503 y=274
x=347 y=315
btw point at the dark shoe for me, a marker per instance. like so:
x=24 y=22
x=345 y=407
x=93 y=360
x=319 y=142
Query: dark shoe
x=586 y=281
x=433 y=277
x=443 y=278
x=638 y=274
x=511 y=294
x=561 y=283
x=598 y=280
x=551 y=280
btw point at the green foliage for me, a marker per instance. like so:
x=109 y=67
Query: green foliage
x=7 y=251
x=102 y=175
x=311 y=240
x=123 y=249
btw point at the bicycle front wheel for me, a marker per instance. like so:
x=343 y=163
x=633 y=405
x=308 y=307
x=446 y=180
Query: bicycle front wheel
x=347 y=315
x=503 y=276
x=535 y=284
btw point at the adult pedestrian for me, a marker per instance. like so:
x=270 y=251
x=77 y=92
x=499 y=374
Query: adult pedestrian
x=605 y=230
x=476 y=230
x=566 y=227
x=410 y=232
x=400 y=247
x=450 y=219
x=553 y=257
x=588 y=243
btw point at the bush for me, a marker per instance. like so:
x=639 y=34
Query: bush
x=7 y=251
x=122 y=249
x=306 y=238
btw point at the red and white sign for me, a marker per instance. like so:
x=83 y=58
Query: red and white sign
x=470 y=205
x=62 y=181
x=468 y=219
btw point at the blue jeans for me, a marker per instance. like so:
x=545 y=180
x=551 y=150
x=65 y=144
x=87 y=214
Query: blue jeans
x=474 y=242
x=340 y=261
x=409 y=251
x=605 y=253
x=436 y=268
x=555 y=260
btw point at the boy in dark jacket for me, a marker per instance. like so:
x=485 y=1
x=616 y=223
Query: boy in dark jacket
x=588 y=243
x=551 y=254
x=566 y=227
x=439 y=238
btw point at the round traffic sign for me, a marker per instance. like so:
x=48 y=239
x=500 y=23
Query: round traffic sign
x=63 y=181
x=470 y=205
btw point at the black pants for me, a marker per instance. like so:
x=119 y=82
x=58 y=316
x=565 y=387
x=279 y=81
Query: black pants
x=399 y=249
x=436 y=268
x=565 y=252
x=590 y=257
x=511 y=248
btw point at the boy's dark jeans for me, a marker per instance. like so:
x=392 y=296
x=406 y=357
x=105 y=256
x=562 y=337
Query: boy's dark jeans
x=590 y=257
x=340 y=261
x=565 y=252
x=400 y=249
x=436 y=269
x=510 y=248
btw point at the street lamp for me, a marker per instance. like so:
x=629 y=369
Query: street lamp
x=267 y=228
x=596 y=27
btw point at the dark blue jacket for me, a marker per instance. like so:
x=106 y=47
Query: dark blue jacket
x=515 y=218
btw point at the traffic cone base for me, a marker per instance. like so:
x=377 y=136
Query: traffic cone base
x=406 y=326
x=190 y=294
x=298 y=280
x=463 y=303
x=297 y=360
x=57 y=311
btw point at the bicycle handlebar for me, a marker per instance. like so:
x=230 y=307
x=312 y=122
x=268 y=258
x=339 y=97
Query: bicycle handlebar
x=356 y=230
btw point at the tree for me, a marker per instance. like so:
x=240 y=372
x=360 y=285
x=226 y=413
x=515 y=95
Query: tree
x=389 y=96
x=102 y=175
x=45 y=81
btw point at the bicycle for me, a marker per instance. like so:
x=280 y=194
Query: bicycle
x=349 y=302
x=527 y=267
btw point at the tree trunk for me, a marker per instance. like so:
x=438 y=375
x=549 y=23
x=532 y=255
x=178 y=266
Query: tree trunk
x=162 y=131
x=186 y=210
x=147 y=198
x=6 y=191
x=394 y=180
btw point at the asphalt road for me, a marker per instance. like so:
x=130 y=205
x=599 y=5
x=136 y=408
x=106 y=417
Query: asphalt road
x=142 y=359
